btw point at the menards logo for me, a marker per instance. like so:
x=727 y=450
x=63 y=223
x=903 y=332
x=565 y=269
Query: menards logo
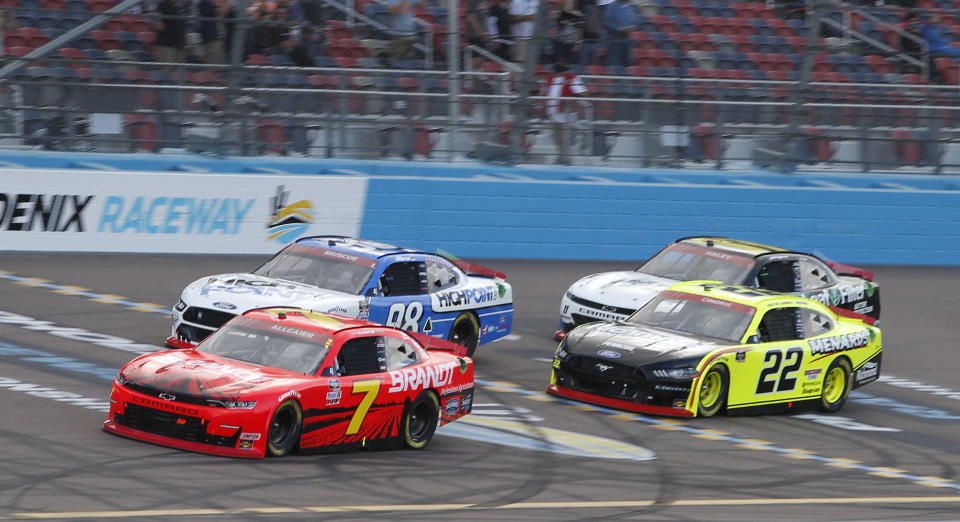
x=839 y=343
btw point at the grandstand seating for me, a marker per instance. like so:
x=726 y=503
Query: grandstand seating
x=699 y=40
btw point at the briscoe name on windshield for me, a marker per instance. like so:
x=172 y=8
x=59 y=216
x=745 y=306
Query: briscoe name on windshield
x=840 y=343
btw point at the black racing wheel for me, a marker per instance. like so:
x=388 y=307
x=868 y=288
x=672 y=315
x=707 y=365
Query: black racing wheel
x=466 y=332
x=420 y=420
x=284 y=432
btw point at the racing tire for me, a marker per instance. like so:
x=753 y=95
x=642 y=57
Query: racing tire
x=713 y=391
x=466 y=332
x=284 y=431
x=420 y=420
x=836 y=385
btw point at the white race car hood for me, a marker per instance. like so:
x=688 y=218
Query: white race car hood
x=237 y=293
x=621 y=289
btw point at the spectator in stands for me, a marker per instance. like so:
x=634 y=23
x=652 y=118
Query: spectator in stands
x=568 y=39
x=925 y=26
x=403 y=30
x=563 y=84
x=269 y=35
x=620 y=19
x=229 y=17
x=476 y=24
x=171 y=26
x=278 y=33
x=211 y=30
x=499 y=26
x=593 y=31
x=522 y=15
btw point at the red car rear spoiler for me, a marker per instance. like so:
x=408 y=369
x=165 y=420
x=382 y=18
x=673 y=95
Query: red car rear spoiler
x=843 y=312
x=443 y=345
x=841 y=268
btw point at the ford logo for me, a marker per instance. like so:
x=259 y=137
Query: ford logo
x=609 y=354
x=224 y=306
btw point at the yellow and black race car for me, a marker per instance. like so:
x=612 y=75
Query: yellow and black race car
x=702 y=347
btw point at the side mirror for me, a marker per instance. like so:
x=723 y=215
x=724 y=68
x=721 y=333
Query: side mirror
x=754 y=339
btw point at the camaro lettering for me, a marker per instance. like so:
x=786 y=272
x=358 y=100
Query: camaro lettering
x=839 y=343
x=166 y=406
x=421 y=377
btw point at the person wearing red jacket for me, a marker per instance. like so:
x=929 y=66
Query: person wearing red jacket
x=563 y=84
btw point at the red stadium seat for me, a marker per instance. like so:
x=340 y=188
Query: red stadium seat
x=71 y=53
x=141 y=130
x=908 y=149
x=272 y=136
x=258 y=59
x=17 y=51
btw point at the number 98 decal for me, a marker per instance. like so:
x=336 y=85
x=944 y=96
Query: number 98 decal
x=405 y=316
x=787 y=380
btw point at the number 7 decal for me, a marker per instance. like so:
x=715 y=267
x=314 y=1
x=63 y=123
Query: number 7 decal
x=370 y=388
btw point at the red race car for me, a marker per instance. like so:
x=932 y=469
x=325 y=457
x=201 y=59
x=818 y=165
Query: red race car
x=274 y=380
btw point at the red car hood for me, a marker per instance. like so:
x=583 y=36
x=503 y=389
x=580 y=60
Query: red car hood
x=199 y=375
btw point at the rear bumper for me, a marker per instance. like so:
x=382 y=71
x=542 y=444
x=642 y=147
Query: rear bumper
x=560 y=391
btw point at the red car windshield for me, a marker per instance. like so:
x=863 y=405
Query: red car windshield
x=320 y=267
x=691 y=263
x=696 y=315
x=266 y=343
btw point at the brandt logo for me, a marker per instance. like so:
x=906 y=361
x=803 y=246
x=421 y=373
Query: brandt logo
x=167 y=396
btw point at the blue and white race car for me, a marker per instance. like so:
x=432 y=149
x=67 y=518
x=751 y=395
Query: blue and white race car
x=408 y=289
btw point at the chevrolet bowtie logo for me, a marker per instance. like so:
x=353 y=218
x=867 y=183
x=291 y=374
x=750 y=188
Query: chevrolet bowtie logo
x=167 y=397
x=604 y=367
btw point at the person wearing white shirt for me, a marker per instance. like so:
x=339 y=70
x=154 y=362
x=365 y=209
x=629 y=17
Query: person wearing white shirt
x=522 y=15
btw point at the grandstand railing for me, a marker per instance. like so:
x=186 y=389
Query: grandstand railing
x=625 y=121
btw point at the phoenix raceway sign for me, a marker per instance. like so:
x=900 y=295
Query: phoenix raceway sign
x=95 y=211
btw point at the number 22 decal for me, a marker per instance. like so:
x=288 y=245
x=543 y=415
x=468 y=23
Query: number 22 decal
x=772 y=361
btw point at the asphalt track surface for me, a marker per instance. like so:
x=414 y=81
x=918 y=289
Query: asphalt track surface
x=892 y=453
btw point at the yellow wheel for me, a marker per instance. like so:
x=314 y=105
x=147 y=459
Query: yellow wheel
x=836 y=385
x=713 y=391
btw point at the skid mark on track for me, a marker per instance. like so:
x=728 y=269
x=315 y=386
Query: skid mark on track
x=515 y=506
x=710 y=434
x=80 y=291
